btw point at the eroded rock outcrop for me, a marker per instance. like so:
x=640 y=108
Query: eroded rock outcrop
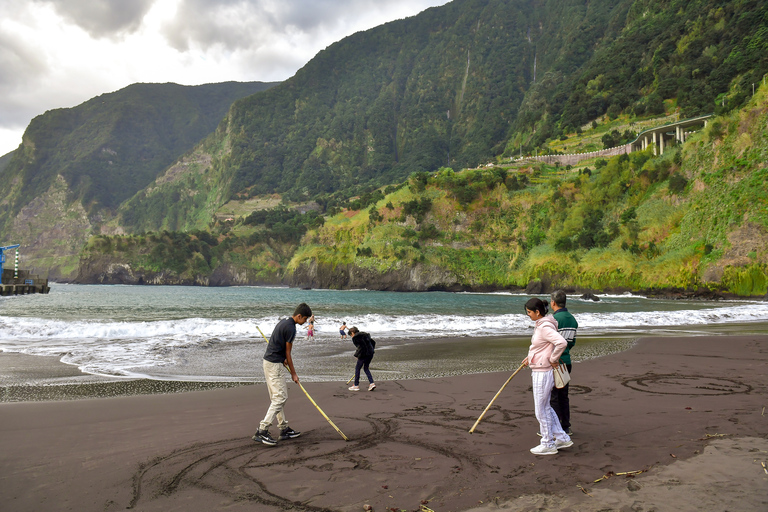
x=402 y=278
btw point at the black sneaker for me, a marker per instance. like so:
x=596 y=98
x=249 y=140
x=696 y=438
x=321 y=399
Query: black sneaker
x=288 y=433
x=264 y=437
x=569 y=431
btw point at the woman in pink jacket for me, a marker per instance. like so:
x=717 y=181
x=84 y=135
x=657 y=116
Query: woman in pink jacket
x=543 y=355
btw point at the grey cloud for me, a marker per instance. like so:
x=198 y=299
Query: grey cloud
x=239 y=24
x=19 y=65
x=102 y=18
x=207 y=23
x=20 y=69
x=30 y=83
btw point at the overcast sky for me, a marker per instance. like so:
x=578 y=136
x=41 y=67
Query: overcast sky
x=60 y=53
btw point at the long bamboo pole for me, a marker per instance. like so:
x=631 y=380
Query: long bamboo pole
x=494 y=399
x=310 y=399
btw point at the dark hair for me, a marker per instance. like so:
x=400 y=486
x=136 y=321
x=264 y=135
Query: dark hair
x=539 y=305
x=303 y=310
x=558 y=297
x=354 y=330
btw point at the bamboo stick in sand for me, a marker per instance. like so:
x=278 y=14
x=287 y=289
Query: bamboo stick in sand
x=494 y=399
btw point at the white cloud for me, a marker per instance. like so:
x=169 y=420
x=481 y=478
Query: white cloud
x=60 y=53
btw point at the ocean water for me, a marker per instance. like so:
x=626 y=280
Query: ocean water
x=211 y=334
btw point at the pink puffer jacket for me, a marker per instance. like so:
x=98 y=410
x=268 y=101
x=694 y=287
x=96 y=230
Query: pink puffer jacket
x=546 y=345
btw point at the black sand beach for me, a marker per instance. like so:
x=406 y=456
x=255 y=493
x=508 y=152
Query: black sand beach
x=686 y=411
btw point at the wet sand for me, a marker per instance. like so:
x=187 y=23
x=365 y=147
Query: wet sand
x=687 y=411
x=25 y=378
x=37 y=378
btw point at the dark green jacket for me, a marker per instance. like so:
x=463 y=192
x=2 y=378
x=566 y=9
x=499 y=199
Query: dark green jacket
x=566 y=326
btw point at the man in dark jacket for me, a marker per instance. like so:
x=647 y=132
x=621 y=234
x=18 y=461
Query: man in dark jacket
x=365 y=346
x=566 y=326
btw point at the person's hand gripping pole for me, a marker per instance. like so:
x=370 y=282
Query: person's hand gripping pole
x=313 y=402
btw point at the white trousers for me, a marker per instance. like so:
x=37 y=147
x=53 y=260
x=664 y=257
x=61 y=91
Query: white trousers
x=549 y=424
x=278 y=394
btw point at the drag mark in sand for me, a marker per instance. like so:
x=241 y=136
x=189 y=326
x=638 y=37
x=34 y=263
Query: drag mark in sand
x=575 y=389
x=241 y=470
x=676 y=384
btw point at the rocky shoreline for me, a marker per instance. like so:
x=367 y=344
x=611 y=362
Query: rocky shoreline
x=403 y=278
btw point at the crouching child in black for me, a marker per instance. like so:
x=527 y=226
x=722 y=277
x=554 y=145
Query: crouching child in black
x=365 y=346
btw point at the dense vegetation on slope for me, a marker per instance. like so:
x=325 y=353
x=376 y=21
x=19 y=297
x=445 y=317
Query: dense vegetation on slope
x=186 y=196
x=437 y=89
x=472 y=81
x=412 y=95
x=5 y=160
x=705 y=55
x=694 y=220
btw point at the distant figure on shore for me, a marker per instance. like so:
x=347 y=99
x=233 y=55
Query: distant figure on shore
x=343 y=330
x=277 y=357
x=365 y=348
x=566 y=326
x=311 y=328
x=543 y=356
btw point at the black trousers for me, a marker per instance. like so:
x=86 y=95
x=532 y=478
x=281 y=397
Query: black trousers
x=363 y=362
x=561 y=404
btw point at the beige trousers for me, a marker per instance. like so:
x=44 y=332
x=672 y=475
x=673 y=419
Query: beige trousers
x=278 y=394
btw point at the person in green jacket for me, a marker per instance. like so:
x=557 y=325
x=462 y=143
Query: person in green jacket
x=566 y=326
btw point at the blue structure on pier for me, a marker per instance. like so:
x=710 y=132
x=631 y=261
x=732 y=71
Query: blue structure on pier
x=2 y=255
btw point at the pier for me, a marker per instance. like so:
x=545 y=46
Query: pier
x=23 y=284
x=19 y=282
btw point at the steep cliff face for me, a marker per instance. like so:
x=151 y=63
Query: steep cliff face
x=114 y=269
x=403 y=278
x=108 y=270
x=52 y=232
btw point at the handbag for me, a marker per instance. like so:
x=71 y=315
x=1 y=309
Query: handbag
x=562 y=377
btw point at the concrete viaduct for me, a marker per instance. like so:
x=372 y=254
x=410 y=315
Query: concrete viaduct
x=661 y=137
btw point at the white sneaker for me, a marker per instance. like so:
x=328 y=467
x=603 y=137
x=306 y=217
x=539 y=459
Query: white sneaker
x=563 y=444
x=355 y=388
x=371 y=387
x=544 y=450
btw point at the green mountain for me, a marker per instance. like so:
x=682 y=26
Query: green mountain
x=5 y=160
x=463 y=84
x=693 y=221
x=88 y=159
x=379 y=128
x=690 y=222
